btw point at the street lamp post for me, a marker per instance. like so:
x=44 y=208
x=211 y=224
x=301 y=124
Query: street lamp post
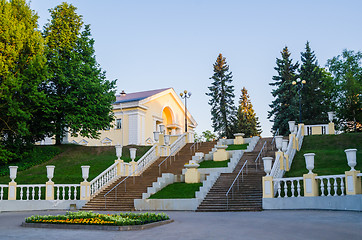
x=299 y=84
x=185 y=95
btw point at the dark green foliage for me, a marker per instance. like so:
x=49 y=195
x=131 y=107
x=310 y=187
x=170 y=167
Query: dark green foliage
x=316 y=99
x=221 y=94
x=22 y=70
x=79 y=96
x=347 y=72
x=330 y=158
x=214 y=164
x=284 y=108
x=247 y=122
x=38 y=155
x=177 y=190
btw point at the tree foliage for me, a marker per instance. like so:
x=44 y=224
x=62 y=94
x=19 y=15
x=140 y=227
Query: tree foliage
x=22 y=70
x=247 y=121
x=284 y=108
x=222 y=99
x=347 y=71
x=80 y=96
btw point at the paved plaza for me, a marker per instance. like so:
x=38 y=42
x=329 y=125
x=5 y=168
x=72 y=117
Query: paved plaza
x=279 y=225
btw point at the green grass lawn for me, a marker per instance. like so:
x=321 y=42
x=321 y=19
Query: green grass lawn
x=330 y=158
x=237 y=147
x=68 y=164
x=214 y=164
x=177 y=190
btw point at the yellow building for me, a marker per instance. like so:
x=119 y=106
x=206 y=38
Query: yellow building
x=139 y=114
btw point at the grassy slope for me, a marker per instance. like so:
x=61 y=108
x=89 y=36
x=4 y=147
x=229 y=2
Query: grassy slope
x=237 y=147
x=68 y=164
x=330 y=157
x=214 y=164
x=177 y=190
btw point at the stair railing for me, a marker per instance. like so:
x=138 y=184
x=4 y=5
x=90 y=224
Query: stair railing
x=125 y=185
x=195 y=146
x=257 y=160
x=147 y=159
x=231 y=188
x=165 y=160
x=174 y=148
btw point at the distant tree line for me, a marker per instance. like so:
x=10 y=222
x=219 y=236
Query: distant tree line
x=336 y=87
x=50 y=81
x=228 y=119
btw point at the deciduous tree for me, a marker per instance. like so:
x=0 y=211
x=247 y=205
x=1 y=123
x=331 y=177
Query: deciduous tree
x=80 y=96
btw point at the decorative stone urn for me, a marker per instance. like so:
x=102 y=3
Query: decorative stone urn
x=309 y=161
x=285 y=145
x=13 y=170
x=291 y=126
x=162 y=128
x=167 y=139
x=119 y=151
x=330 y=116
x=351 y=158
x=50 y=172
x=132 y=153
x=156 y=136
x=279 y=142
x=85 y=172
x=267 y=164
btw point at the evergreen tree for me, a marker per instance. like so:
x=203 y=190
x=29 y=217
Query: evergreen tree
x=222 y=99
x=315 y=98
x=80 y=96
x=347 y=72
x=285 y=106
x=247 y=121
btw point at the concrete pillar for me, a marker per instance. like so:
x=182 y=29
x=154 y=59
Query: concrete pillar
x=286 y=167
x=331 y=128
x=133 y=167
x=49 y=190
x=353 y=183
x=192 y=175
x=12 y=191
x=310 y=185
x=239 y=138
x=85 y=191
x=120 y=167
x=301 y=125
x=280 y=154
x=268 y=187
x=220 y=154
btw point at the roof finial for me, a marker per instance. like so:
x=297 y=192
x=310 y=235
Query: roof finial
x=123 y=93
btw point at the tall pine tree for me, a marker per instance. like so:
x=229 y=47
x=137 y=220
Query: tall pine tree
x=80 y=96
x=315 y=99
x=285 y=106
x=247 y=121
x=222 y=99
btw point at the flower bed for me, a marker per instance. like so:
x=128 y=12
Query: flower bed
x=90 y=218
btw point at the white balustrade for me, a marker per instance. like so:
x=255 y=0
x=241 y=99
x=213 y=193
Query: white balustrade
x=66 y=191
x=147 y=159
x=288 y=185
x=2 y=186
x=31 y=191
x=331 y=185
x=178 y=144
x=103 y=179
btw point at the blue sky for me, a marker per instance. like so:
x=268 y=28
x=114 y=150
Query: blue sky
x=156 y=44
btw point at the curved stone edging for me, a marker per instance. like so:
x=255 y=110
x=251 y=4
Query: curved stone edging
x=97 y=227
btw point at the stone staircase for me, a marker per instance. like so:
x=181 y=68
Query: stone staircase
x=249 y=195
x=122 y=200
